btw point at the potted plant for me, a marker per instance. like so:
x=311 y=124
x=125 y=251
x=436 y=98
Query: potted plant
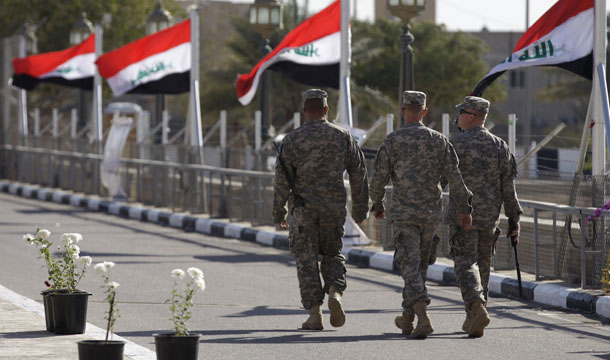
x=104 y=349
x=65 y=305
x=181 y=344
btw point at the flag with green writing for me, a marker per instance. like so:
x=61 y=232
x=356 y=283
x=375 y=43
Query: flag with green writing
x=562 y=37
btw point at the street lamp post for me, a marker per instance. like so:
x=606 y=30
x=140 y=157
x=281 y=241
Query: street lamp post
x=406 y=10
x=266 y=17
x=81 y=30
x=158 y=20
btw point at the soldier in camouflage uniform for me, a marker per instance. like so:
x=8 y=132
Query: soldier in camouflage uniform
x=415 y=158
x=316 y=156
x=489 y=170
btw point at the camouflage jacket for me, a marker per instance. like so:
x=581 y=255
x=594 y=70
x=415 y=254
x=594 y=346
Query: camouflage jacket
x=316 y=155
x=489 y=170
x=415 y=158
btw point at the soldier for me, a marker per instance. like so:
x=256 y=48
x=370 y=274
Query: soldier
x=415 y=158
x=489 y=170
x=314 y=158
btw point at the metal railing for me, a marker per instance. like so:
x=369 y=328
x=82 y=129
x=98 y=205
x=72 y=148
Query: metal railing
x=243 y=195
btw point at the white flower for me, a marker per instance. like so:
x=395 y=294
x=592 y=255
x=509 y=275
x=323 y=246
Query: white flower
x=113 y=285
x=66 y=239
x=86 y=260
x=178 y=273
x=195 y=273
x=200 y=283
x=43 y=246
x=29 y=238
x=69 y=238
x=74 y=252
x=100 y=268
x=109 y=264
x=44 y=234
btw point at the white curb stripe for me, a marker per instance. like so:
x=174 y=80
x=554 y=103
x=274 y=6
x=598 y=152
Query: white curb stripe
x=203 y=226
x=135 y=213
x=153 y=215
x=265 y=238
x=550 y=294
x=176 y=220
x=233 y=231
x=435 y=271
x=93 y=204
x=382 y=260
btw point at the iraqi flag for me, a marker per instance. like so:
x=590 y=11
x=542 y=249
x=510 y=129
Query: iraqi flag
x=309 y=54
x=562 y=37
x=156 y=64
x=70 y=67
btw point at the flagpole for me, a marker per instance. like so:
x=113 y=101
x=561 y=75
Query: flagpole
x=345 y=102
x=599 y=57
x=598 y=131
x=96 y=128
x=23 y=107
x=196 y=136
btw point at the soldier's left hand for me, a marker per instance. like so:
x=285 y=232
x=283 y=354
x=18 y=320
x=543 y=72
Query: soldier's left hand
x=358 y=221
x=284 y=225
x=515 y=233
x=465 y=221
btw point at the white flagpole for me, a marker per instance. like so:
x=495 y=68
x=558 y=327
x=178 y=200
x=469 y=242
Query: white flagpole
x=599 y=57
x=196 y=135
x=96 y=127
x=345 y=102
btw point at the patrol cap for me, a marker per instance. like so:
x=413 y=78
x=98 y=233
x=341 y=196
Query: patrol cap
x=315 y=94
x=475 y=103
x=410 y=97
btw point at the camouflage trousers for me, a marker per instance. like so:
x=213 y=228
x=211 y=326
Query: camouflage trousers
x=314 y=233
x=471 y=252
x=414 y=244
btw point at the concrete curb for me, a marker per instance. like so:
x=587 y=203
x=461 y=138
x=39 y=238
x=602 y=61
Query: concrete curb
x=548 y=294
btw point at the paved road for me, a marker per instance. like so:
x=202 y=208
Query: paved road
x=251 y=306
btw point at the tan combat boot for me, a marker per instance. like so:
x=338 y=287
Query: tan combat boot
x=468 y=321
x=424 y=326
x=480 y=319
x=337 y=315
x=314 y=322
x=405 y=322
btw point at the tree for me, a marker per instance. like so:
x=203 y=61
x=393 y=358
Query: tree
x=54 y=20
x=447 y=65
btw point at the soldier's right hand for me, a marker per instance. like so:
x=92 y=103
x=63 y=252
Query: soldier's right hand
x=379 y=214
x=465 y=221
x=283 y=225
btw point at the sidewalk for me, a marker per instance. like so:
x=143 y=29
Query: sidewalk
x=23 y=333
x=553 y=293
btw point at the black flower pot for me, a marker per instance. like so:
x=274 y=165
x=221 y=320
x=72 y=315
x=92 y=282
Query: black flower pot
x=48 y=310
x=100 y=350
x=171 y=347
x=69 y=311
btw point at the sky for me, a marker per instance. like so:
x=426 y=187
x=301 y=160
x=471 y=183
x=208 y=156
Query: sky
x=466 y=15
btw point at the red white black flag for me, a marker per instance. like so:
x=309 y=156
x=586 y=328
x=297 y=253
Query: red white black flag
x=156 y=64
x=562 y=37
x=70 y=67
x=309 y=54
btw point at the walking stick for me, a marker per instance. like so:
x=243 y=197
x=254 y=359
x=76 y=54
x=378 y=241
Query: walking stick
x=511 y=227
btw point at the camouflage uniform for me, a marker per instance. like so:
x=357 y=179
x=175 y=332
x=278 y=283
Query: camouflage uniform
x=316 y=155
x=414 y=158
x=489 y=170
